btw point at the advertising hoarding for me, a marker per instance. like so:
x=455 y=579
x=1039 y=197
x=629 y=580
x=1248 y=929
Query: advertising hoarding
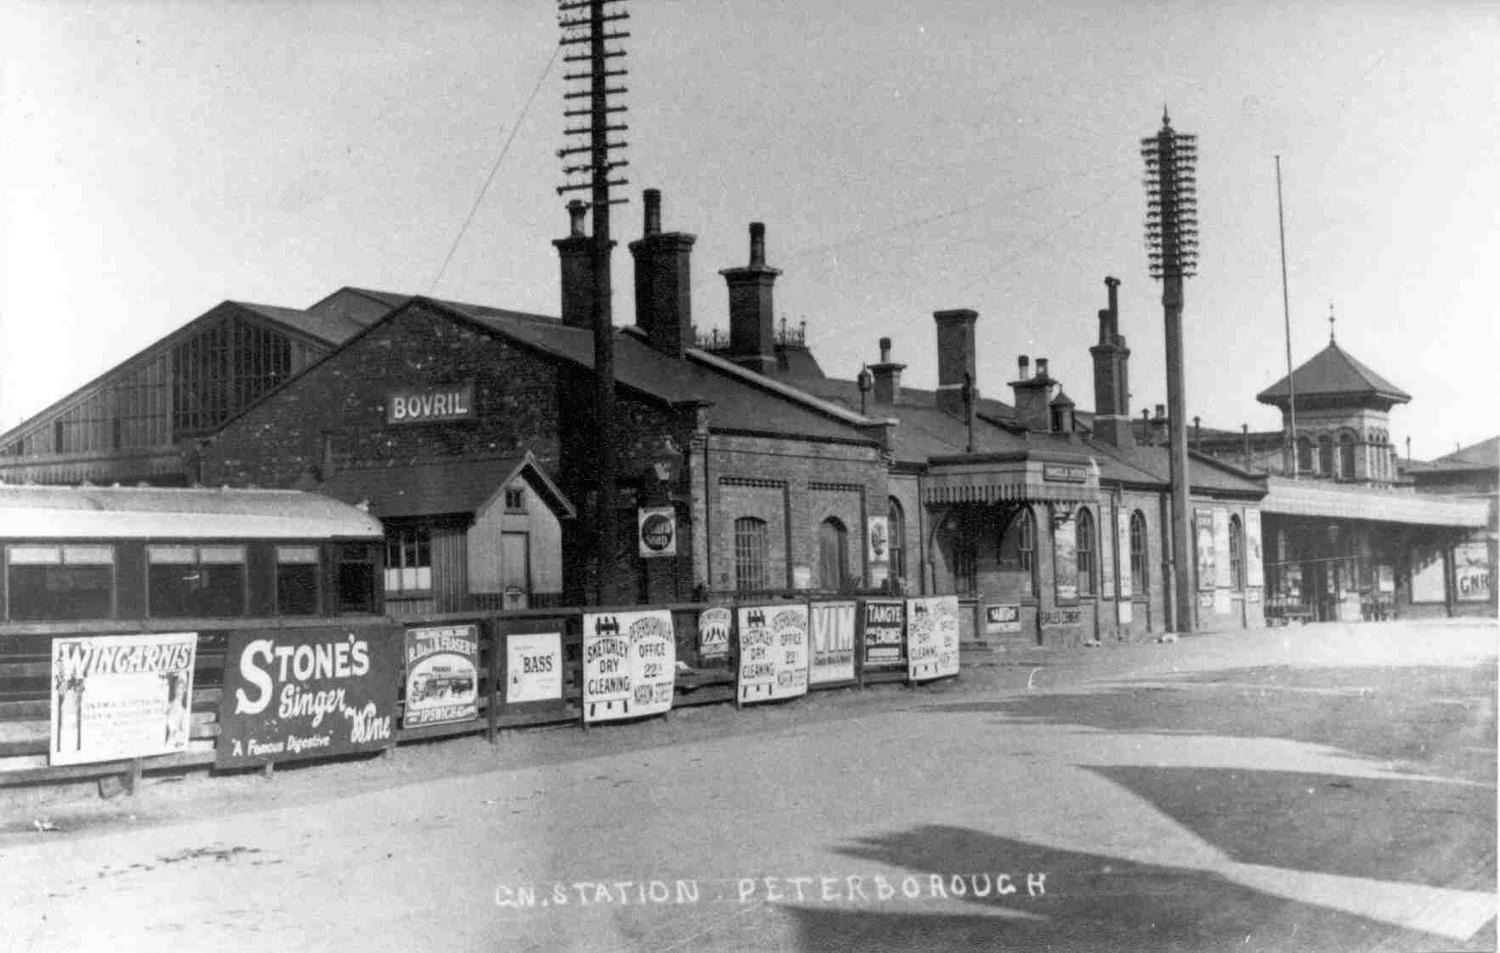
x=629 y=664
x=442 y=676
x=121 y=696
x=308 y=693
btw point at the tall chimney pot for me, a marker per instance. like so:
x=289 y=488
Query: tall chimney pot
x=653 y=211
x=577 y=209
x=885 y=350
x=757 y=244
x=1041 y=367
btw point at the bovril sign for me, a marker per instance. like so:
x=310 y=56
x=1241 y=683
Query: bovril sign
x=429 y=404
x=658 y=531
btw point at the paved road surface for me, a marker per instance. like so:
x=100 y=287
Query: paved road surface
x=1319 y=788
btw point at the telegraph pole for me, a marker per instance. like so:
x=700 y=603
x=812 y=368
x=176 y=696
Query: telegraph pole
x=594 y=30
x=1172 y=243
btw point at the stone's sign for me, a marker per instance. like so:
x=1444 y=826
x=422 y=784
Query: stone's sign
x=1122 y=553
x=629 y=664
x=1126 y=612
x=884 y=624
x=931 y=637
x=430 y=404
x=658 y=531
x=1065 y=555
x=713 y=633
x=832 y=635
x=1062 y=617
x=121 y=696
x=442 y=676
x=533 y=667
x=1002 y=619
x=308 y=693
x=1065 y=473
x=773 y=652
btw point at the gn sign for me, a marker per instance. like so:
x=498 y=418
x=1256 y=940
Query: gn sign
x=657 y=531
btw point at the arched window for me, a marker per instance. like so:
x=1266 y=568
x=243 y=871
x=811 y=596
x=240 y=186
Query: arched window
x=897 y=542
x=1085 y=542
x=1018 y=549
x=1325 y=456
x=1138 y=553
x=750 y=554
x=833 y=554
x=1236 y=552
x=1304 y=455
x=1346 y=457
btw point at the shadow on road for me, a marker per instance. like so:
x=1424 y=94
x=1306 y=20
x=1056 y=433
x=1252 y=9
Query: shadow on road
x=1091 y=903
x=1437 y=718
x=1441 y=835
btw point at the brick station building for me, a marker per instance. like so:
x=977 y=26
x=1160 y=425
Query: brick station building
x=468 y=431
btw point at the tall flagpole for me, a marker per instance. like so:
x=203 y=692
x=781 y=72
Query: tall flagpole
x=1286 y=313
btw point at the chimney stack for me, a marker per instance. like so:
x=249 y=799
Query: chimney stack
x=752 y=326
x=1032 y=396
x=886 y=376
x=576 y=255
x=955 y=347
x=663 y=282
x=1112 y=376
x=1159 y=426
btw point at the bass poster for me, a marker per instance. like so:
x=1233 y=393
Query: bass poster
x=442 y=676
x=533 y=667
x=713 y=633
x=121 y=696
x=308 y=693
x=931 y=637
x=832 y=634
x=1203 y=521
x=629 y=664
x=773 y=652
x=884 y=625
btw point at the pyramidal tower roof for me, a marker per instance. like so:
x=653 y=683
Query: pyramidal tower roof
x=1334 y=373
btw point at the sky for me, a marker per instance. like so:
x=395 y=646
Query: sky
x=160 y=157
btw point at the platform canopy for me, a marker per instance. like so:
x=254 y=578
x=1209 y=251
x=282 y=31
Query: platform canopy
x=1331 y=500
x=1003 y=478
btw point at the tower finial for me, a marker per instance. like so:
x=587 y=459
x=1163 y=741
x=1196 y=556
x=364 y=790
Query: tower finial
x=1331 y=319
x=1165 y=119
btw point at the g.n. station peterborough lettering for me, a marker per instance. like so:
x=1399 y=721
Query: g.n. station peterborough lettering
x=429 y=404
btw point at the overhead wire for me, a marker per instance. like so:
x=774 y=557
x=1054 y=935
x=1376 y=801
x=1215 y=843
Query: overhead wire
x=494 y=169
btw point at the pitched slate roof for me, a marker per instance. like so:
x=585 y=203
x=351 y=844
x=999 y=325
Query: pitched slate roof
x=1152 y=464
x=1333 y=372
x=438 y=487
x=1484 y=455
x=740 y=399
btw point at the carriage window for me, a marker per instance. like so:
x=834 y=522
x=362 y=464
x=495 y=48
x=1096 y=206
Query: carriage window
x=356 y=575
x=61 y=582
x=296 y=580
x=194 y=581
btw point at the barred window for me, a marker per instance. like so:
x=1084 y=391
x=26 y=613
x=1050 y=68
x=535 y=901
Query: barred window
x=898 y=539
x=1085 y=548
x=749 y=554
x=1138 y=553
x=833 y=555
x=408 y=559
